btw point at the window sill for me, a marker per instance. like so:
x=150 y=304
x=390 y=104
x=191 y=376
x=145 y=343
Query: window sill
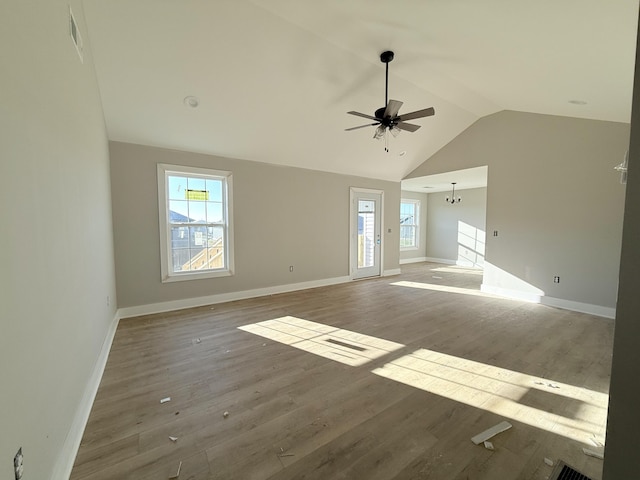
x=181 y=277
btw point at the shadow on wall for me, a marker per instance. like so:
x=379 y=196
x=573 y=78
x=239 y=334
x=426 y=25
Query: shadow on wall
x=471 y=242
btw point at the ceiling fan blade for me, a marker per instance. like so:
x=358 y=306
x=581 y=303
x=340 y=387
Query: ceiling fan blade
x=427 y=112
x=409 y=127
x=361 y=126
x=392 y=108
x=358 y=114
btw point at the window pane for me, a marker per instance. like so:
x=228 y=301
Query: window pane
x=197 y=184
x=177 y=187
x=216 y=235
x=408 y=213
x=216 y=248
x=214 y=187
x=178 y=211
x=180 y=259
x=366 y=236
x=214 y=212
x=407 y=236
x=197 y=211
x=198 y=237
x=179 y=238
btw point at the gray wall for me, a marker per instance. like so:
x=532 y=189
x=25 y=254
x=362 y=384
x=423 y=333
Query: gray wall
x=282 y=216
x=457 y=232
x=57 y=250
x=621 y=459
x=554 y=198
x=421 y=252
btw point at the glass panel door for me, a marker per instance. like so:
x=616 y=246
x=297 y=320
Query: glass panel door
x=366 y=240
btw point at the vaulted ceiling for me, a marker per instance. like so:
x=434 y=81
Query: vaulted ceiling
x=275 y=78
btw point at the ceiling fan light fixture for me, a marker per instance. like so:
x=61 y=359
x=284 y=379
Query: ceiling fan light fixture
x=379 y=133
x=388 y=117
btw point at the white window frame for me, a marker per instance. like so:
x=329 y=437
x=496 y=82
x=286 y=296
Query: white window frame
x=166 y=261
x=416 y=223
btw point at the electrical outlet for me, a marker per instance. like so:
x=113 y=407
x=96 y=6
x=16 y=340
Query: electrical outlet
x=291 y=268
x=495 y=233
x=18 y=461
x=108 y=300
x=556 y=279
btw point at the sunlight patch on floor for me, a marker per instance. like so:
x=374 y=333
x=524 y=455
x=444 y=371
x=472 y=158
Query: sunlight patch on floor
x=567 y=410
x=326 y=341
x=444 y=288
x=470 y=271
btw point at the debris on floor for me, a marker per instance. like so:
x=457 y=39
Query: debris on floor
x=596 y=442
x=547 y=384
x=596 y=452
x=173 y=439
x=548 y=461
x=282 y=454
x=178 y=472
x=225 y=414
x=488 y=445
x=165 y=400
x=491 y=432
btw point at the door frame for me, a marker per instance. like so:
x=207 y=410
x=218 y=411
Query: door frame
x=353 y=229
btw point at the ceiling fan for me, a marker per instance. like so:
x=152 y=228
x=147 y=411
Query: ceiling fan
x=387 y=118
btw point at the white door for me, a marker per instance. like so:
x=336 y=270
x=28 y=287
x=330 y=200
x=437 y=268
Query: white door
x=366 y=227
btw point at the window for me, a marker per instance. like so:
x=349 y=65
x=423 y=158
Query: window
x=409 y=211
x=196 y=236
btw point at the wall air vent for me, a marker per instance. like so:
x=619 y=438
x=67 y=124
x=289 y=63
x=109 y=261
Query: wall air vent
x=74 y=32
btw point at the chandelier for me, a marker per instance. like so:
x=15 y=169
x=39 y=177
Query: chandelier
x=453 y=198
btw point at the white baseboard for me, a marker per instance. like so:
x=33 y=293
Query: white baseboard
x=404 y=261
x=514 y=294
x=589 y=308
x=64 y=465
x=393 y=271
x=446 y=261
x=161 y=307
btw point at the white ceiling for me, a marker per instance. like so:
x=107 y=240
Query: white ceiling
x=275 y=78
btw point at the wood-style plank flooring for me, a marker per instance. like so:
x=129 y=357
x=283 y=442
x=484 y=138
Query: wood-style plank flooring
x=465 y=362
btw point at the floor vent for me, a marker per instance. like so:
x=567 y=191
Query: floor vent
x=566 y=472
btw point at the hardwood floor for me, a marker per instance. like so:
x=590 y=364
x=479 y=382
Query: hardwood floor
x=464 y=363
